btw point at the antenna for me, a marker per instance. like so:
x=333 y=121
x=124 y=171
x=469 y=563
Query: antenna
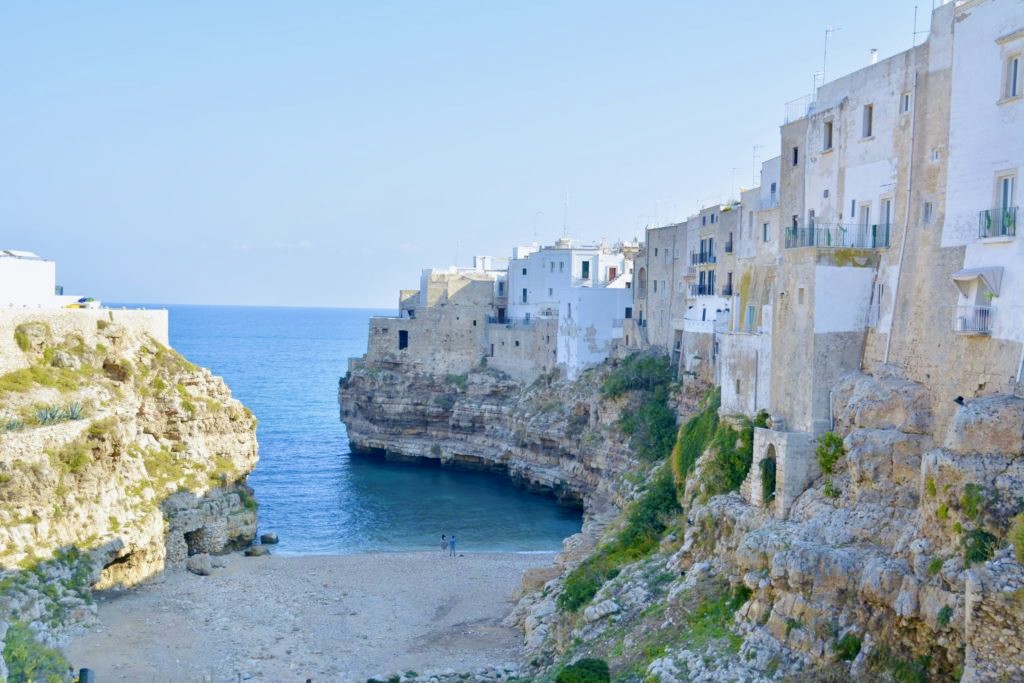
x=916 y=32
x=565 y=216
x=829 y=30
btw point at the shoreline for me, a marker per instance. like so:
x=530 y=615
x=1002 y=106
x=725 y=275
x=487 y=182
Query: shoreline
x=325 y=617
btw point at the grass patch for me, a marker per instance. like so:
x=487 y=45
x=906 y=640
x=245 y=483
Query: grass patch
x=830 y=449
x=21 y=339
x=646 y=521
x=972 y=502
x=847 y=648
x=935 y=566
x=944 y=616
x=1017 y=536
x=26 y=379
x=929 y=487
x=831 y=490
x=711 y=620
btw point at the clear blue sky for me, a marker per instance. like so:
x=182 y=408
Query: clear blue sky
x=322 y=153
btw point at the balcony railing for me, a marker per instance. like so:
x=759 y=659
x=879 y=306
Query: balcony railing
x=701 y=257
x=769 y=202
x=997 y=222
x=702 y=290
x=837 y=235
x=973 y=319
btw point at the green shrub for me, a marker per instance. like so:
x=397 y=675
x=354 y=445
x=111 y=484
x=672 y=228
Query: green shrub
x=847 y=648
x=942 y=512
x=1017 y=536
x=729 y=463
x=901 y=670
x=646 y=521
x=944 y=616
x=830 y=489
x=711 y=620
x=585 y=671
x=830 y=449
x=740 y=595
x=638 y=373
x=693 y=438
x=935 y=566
x=768 y=480
x=972 y=502
x=761 y=419
x=460 y=381
x=929 y=486
x=979 y=546
x=29 y=660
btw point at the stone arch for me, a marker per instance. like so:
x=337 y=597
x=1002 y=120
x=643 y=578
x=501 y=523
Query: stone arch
x=641 y=282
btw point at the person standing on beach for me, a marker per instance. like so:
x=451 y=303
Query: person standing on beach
x=451 y=544
x=444 y=544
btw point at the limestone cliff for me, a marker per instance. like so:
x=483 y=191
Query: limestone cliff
x=895 y=564
x=118 y=457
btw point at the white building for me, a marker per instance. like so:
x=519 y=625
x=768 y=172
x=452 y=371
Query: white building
x=586 y=289
x=28 y=281
x=986 y=157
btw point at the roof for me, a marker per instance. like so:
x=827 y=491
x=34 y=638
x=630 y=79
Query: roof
x=14 y=253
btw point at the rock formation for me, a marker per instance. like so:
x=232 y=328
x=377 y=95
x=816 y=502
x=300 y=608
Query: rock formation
x=118 y=458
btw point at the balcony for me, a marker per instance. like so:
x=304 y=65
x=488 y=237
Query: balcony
x=973 y=320
x=997 y=222
x=769 y=202
x=702 y=290
x=839 y=236
x=699 y=258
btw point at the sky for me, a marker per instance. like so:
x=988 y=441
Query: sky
x=313 y=153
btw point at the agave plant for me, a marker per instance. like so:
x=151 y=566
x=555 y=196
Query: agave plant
x=13 y=425
x=75 y=411
x=49 y=415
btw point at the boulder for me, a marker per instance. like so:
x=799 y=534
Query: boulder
x=257 y=551
x=269 y=538
x=991 y=424
x=199 y=564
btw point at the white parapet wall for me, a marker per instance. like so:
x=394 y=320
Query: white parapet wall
x=65 y=321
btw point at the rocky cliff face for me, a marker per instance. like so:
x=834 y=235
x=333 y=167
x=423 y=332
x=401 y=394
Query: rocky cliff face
x=553 y=434
x=117 y=458
x=897 y=565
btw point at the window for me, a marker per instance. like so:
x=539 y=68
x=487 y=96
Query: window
x=654 y=283
x=551 y=292
x=800 y=295
x=655 y=251
x=886 y=212
x=927 y=212
x=586 y=270
x=703 y=220
x=524 y=271
x=517 y=342
x=826 y=143
x=774 y=187
x=905 y=103
x=766 y=232
x=524 y=295
x=868 y=126
x=810 y=218
x=825 y=194
x=1013 y=77
x=796 y=156
x=751 y=317
x=853 y=208
x=613 y=273
x=1004 y=190
x=865 y=214
x=561 y=266
x=936 y=154
x=737 y=387
x=552 y=266
x=629 y=313
x=403 y=339
x=501 y=289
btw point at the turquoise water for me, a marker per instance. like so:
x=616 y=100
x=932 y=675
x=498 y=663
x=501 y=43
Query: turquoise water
x=284 y=363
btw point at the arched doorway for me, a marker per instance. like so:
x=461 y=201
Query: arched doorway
x=641 y=282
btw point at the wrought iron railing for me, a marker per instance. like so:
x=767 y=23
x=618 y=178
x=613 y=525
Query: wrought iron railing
x=839 y=235
x=973 y=319
x=702 y=290
x=997 y=222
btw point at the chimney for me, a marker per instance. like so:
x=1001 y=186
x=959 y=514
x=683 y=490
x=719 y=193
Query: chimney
x=874 y=55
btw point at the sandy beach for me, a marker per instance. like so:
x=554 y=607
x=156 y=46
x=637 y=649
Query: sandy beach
x=329 y=618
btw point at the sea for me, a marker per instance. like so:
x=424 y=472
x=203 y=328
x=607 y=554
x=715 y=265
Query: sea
x=284 y=364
